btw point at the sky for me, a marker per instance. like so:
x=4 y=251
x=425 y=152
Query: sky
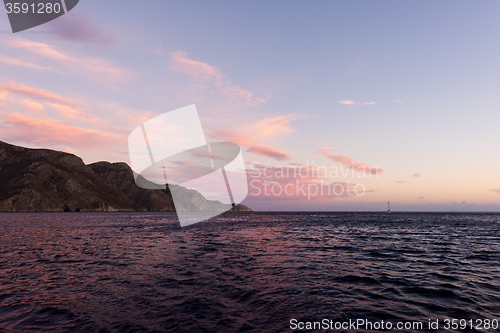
x=371 y=100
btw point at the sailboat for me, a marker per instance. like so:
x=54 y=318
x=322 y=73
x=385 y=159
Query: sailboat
x=388 y=207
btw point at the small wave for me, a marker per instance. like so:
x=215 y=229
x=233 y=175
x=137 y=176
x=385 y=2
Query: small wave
x=357 y=280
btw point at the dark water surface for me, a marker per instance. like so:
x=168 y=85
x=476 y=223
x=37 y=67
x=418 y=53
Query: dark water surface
x=139 y=272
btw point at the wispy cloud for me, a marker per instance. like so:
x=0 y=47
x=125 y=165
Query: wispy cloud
x=35 y=93
x=325 y=150
x=49 y=132
x=241 y=139
x=495 y=190
x=420 y=198
x=278 y=125
x=416 y=175
x=231 y=136
x=95 y=68
x=270 y=152
x=196 y=69
x=400 y=181
x=204 y=72
x=17 y=62
x=38 y=99
x=40 y=49
x=32 y=105
x=398 y=101
x=249 y=135
x=349 y=102
x=349 y=162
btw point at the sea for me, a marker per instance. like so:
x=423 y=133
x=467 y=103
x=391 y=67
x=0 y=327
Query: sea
x=250 y=272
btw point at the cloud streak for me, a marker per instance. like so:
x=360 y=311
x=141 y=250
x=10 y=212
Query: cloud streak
x=20 y=63
x=38 y=99
x=349 y=102
x=243 y=140
x=231 y=136
x=206 y=73
x=349 y=162
x=95 y=68
x=18 y=127
x=34 y=93
x=270 y=152
x=279 y=125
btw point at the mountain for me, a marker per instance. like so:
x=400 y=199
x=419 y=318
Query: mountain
x=122 y=176
x=46 y=180
x=40 y=180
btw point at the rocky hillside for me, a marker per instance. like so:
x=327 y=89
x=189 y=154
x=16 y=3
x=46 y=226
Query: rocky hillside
x=46 y=180
x=43 y=180
x=121 y=175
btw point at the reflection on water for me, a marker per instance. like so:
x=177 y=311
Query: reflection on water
x=139 y=272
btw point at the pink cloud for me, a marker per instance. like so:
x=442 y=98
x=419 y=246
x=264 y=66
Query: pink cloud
x=324 y=151
x=243 y=140
x=349 y=102
x=38 y=48
x=495 y=190
x=33 y=106
x=349 y=162
x=76 y=112
x=231 y=136
x=21 y=63
x=270 y=152
x=296 y=164
x=54 y=132
x=205 y=72
x=400 y=181
x=416 y=175
x=196 y=69
x=97 y=68
x=37 y=99
x=274 y=126
x=34 y=93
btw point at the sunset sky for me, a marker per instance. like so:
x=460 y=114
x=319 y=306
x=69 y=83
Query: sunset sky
x=405 y=94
